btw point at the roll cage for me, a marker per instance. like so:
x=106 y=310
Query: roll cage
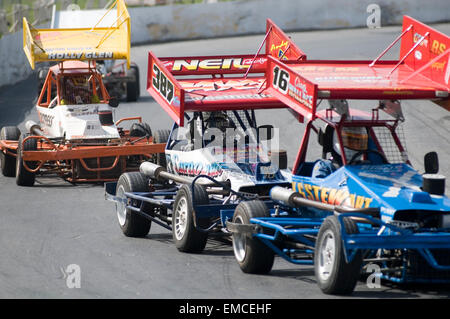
x=55 y=85
x=334 y=123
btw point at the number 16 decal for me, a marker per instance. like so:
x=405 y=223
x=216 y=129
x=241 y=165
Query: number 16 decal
x=280 y=80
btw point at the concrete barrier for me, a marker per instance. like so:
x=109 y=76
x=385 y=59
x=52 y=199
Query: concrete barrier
x=13 y=62
x=14 y=65
x=194 y=21
x=168 y=23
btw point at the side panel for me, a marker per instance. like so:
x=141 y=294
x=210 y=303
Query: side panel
x=165 y=89
x=434 y=46
x=280 y=46
x=291 y=88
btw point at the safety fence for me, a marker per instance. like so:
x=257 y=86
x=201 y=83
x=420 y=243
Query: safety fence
x=40 y=11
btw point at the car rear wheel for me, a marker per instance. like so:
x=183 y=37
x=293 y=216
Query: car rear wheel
x=140 y=129
x=23 y=176
x=161 y=136
x=133 y=86
x=7 y=161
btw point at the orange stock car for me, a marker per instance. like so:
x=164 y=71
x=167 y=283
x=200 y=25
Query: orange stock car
x=77 y=138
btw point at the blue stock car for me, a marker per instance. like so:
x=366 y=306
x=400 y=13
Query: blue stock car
x=362 y=204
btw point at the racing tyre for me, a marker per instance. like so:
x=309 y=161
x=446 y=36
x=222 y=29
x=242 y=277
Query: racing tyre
x=42 y=75
x=252 y=255
x=131 y=223
x=161 y=136
x=136 y=69
x=8 y=162
x=186 y=237
x=133 y=86
x=23 y=176
x=140 y=129
x=334 y=275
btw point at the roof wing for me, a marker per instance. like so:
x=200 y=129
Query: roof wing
x=291 y=88
x=89 y=43
x=197 y=84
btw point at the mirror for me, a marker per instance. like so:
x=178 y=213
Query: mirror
x=431 y=163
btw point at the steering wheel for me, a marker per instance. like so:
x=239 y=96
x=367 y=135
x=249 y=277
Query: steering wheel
x=358 y=154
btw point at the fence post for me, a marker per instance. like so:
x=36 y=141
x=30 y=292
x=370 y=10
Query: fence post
x=42 y=11
x=19 y=11
x=3 y=23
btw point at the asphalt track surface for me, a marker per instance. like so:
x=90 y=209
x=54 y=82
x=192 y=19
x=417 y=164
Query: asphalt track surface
x=45 y=228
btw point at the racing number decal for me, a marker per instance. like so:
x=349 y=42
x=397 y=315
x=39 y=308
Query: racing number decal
x=280 y=80
x=162 y=84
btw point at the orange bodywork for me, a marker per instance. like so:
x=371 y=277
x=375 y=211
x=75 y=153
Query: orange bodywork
x=61 y=158
x=83 y=160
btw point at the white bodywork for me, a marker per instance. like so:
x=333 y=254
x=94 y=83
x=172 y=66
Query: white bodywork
x=76 y=122
x=220 y=166
x=71 y=19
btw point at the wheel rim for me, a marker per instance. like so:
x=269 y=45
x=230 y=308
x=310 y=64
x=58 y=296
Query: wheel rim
x=121 y=207
x=327 y=255
x=239 y=242
x=181 y=216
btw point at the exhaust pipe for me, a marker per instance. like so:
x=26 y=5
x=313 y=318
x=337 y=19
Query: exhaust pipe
x=33 y=128
x=159 y=173
x=294 y=199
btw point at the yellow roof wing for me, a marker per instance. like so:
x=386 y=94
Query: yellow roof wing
x=47 y=45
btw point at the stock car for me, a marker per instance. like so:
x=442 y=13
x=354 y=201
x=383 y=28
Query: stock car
x=120 y=80
x=77 y=137
x=361 y=203
x=215 y=136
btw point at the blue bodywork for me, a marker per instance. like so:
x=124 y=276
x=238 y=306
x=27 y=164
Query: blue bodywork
x=412 y=225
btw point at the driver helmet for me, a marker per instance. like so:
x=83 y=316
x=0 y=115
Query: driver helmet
x=217 y=119
x=354 y=140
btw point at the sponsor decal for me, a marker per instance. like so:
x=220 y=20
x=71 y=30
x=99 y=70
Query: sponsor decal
x=330 y=69
x=418 y=55
x=332 y=196
x=192 y=168
x=80 y=55
x=81 y=112
x=46 y=119
x=298 y=91
x=279 y=50
x=189 y=98
x=357 y=79
x=222 y=85
x=439 y=66
x=212 y=64
x=437 y=47
x=417 y=37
